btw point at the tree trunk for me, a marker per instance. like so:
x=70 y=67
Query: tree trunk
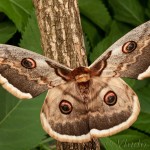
x=61 y=32
x=62 y=40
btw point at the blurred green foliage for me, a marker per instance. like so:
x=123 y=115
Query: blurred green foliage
x=103 y=22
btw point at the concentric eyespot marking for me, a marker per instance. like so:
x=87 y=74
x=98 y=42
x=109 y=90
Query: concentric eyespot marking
x=28 y=63
x=110 y=98
x=129 y=47
x=65 y=107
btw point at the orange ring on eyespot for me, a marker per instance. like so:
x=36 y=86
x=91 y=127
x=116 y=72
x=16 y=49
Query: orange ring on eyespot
x=65 y=107
x=110 y=98
x=28 y=63
x=129 y=47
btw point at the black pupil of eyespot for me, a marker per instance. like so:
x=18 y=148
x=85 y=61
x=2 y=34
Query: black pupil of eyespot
x=65 y=108
x=111 y=99
x=131 y=46
x=27 y=63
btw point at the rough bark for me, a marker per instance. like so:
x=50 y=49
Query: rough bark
x=61 y=32
x=62 y=40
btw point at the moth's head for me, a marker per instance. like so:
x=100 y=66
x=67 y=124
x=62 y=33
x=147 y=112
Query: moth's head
x=81 y=74
x=82 y=78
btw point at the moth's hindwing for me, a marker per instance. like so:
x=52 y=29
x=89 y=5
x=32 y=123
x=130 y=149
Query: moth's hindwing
x=65 y=126
x=68 y=117
x=115 y=107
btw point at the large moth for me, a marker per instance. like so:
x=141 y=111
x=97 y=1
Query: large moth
x=85 y=102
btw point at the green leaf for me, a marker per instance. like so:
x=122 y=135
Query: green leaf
x=127 y=140
x=116 y=31
x=24 y=5
x=31 y=35
x=144 y=118
x=95 y=11
x=20 y=127
x=144 y=96
x=7 y=30
x=148 y=9
x=110 y=144
x=47 y=144
x=141 y=84
x=91 y=31
x=128 y=11
x=143 y=122
x=17 y=12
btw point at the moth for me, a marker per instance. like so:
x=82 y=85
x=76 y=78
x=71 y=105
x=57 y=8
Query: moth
x=85 y=102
